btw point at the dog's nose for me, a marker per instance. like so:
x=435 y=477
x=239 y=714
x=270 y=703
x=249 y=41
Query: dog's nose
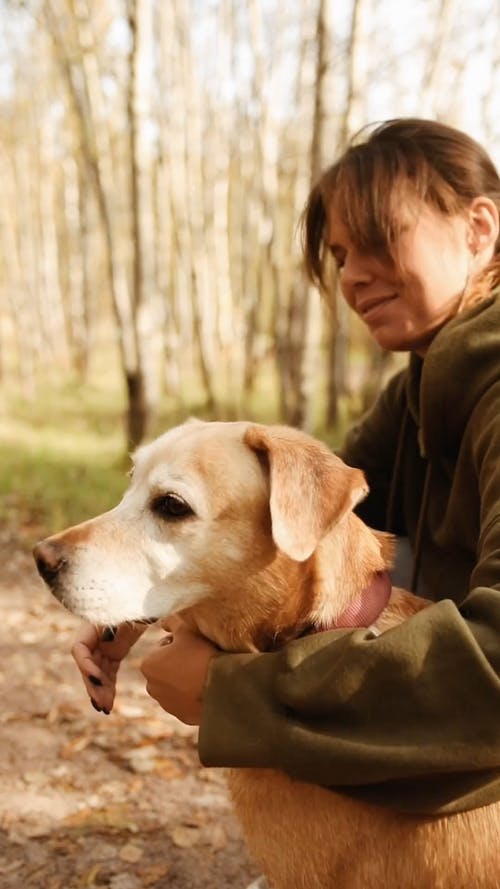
x=49 y=558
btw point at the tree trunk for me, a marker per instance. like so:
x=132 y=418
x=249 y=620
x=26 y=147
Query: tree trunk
x=142 y=380
x=338 y=340
x=78 y=310
x=93 y=134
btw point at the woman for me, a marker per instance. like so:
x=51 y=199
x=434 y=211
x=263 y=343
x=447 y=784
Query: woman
x=411 y=218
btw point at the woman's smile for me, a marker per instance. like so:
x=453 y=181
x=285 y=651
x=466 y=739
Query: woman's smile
x=370 y=308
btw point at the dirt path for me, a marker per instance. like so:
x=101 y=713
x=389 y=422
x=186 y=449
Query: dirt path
x=88 y=800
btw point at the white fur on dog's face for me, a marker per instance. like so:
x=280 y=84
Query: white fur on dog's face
x=137 y=563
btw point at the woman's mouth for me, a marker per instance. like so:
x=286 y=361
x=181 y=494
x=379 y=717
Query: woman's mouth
x=369 y=309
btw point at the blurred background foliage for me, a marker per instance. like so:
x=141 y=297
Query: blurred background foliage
x=155 y=157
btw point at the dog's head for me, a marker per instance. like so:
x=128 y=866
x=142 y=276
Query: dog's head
x=209 y=504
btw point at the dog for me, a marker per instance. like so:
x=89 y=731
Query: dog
x=249 y=533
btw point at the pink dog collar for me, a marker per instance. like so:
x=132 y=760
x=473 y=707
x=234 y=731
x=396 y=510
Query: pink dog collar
x=361 y=612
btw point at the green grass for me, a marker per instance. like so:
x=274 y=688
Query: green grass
x=62 y=454
x=61 y=459
x=43 y=491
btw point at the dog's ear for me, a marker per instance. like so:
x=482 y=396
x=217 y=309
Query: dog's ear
x=310 y=488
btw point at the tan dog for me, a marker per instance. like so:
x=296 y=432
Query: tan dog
x=248 y=532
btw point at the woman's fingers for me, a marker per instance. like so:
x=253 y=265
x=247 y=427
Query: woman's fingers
x=98 y=682
x=173 y=623
x=176 y=673
x=98 y=661
x=122 y=641
x=87 y=660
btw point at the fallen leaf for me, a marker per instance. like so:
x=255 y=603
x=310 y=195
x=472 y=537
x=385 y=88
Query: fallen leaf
x=7 y=867
x=149 y=876
x=62 y=712
x=124 y=881
x=89 y=879
x=28 y=829
x=102 y=851
x=117 y=817
x=131 y=853
x=36 y=778
x=129 y=711
x=218 y=837
x=12 y=716
x=184 y=837
x=167 y=769
x=141 y=758
x=135 y=786
x=75 y=746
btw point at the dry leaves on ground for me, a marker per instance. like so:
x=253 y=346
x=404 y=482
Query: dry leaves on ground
x=91 y=801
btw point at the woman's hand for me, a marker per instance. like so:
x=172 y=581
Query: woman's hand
x=98 y=655
x=176 y=671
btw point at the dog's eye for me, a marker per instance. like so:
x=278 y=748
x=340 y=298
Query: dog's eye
x=171 y=506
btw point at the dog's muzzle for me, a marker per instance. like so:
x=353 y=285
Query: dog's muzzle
x=50 y=559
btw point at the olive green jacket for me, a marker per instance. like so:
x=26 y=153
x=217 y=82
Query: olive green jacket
x=409 y=719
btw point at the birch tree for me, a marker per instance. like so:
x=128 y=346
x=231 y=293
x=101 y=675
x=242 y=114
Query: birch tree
x=83 y=80
x=156 y=157
x=293 y=322
x=146 y=310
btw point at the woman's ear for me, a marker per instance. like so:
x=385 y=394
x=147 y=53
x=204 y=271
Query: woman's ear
x=483 y=229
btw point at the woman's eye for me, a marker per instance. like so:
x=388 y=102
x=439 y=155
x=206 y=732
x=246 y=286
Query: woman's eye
x=171 y=506
x=338 y=257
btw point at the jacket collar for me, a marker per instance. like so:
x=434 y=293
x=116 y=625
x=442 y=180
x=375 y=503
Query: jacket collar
x=461 y=364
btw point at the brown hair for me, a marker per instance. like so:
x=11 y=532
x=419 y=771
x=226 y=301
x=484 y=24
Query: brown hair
x=406 y=157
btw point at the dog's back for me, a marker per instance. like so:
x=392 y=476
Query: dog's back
x=308 y=837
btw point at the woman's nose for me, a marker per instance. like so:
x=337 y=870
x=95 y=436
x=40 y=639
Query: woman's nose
x=356 y=269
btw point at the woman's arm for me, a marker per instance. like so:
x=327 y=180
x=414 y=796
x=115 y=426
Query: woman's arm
x=409 y=719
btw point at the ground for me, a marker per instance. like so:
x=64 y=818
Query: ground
x=88 y=800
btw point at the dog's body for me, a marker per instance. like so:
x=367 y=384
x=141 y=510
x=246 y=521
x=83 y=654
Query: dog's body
x=248 y=532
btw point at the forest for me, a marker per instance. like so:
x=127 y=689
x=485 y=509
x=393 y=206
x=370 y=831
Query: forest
x=155 y=159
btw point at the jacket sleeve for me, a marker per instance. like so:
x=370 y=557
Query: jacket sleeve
x=409 y=719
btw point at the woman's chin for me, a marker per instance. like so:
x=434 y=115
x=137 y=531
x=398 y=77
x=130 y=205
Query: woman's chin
x=393 y=339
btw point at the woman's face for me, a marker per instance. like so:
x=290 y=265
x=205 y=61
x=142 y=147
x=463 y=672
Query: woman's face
x=404 y=306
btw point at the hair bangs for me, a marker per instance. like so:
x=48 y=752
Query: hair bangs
x=360 y=199
x=383 y=180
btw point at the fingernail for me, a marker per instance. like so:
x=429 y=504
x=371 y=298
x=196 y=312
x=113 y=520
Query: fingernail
x=95 y=705
x=108 y=634
x=95 y=681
